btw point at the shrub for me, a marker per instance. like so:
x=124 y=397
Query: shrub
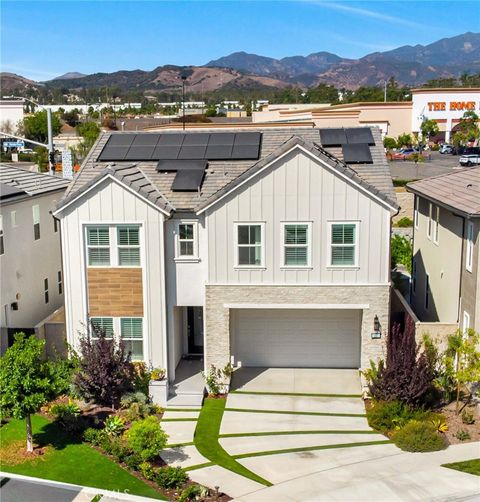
x=142 y=377
x=147 y=438
x=171 y=477
x=67 y=415
x=158 y=374
x=118 y=448
x=192 y=492
x=418 y=436
x=462 y=435
x=405 y=222
x=401 y=252
x=406 y=376
x=93 y=436
x=389 y=143
x=133 y=461
x=136 y=405
x=105 y=370
x=439 y=424
x=467 y=417
x=147 y=471
x=114 y=425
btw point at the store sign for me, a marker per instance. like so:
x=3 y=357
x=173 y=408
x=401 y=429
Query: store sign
x=441 y=106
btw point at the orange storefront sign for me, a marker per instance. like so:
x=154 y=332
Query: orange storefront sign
x=441 y=106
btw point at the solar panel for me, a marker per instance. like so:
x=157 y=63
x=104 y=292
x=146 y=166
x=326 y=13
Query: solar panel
x=247 y=138
x=245 y=152
x=113 y=153
x=222 y=138
x=192 y=152
x=171 y=139
x=120 y=139
x=146 y=139
x=219 y=152
x=196 y=139
x=180 y=165
x=166 y=152
x=7 y=191
x=333 y=137
x=358 y=153
x=188 y=180
x=140 y=153
x=359 y=135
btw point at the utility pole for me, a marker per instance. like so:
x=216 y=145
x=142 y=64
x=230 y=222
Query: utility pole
x=183 y=99
x=385 y=91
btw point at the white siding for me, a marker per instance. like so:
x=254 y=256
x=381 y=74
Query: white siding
x=111 y=203
x=299 y=188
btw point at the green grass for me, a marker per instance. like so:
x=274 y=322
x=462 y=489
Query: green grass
x=179 y=445
x=70 y=460
x=206 y=440
x=282 y=412
x=309 y=448
x=300 y=394
x=468 y=466
x=289 y=433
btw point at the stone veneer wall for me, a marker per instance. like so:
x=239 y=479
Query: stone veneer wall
x=217 y=316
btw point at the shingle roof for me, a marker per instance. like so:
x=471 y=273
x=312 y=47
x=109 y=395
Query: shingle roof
x=221 y=174
x=30 y=182
x=459 y=190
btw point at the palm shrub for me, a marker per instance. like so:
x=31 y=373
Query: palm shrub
x=406 y=375
x=105 y=369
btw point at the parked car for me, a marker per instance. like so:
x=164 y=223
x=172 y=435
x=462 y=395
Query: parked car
x=446 y=148
x=404 y=153
x=469 y=160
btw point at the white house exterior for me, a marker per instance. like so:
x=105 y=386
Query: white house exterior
x=30 y=255
x=281 y=260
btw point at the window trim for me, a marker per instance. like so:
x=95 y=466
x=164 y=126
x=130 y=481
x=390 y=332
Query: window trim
x=283 y=246
x=469 y=247
x=237 y=224
x=119 y=246
x=88 y=246
x=330 y=224
x=429 y=222
x=426 y=300
x=436 y=223
x=60 y=282
x=416 y=204
x=179 y=258
x=36 y=221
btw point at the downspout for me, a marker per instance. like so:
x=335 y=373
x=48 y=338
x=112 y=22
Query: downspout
x=461 y=267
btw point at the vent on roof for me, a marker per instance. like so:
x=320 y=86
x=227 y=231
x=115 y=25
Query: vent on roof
x=357 y=154
x=189 y=146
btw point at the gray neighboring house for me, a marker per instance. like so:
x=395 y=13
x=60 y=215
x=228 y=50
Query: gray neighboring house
x=281 y=259
x=30 y=254
x=446 y=258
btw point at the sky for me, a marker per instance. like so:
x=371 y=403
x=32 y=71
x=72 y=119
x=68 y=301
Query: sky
x=43 y=39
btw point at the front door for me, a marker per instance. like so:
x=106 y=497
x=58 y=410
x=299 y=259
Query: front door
x=195 y=330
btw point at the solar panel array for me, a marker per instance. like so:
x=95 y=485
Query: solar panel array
x=354 y=141
x=182 y=146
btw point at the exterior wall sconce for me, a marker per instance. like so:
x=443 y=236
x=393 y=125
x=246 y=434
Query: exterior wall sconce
x=377 y=328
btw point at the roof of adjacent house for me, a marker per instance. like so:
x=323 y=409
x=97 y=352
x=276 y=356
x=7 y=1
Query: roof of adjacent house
x=457 y=190
x=223 y=175
x=17 y=181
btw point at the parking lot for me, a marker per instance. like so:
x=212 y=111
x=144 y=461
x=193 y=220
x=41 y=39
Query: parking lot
x=435 y=165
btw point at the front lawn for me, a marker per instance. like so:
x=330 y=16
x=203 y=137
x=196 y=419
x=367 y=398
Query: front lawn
x=469 y=466
x=66 y=459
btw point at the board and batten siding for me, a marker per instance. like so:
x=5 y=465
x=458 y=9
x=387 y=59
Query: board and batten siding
x=299 y=188
x=111 y=203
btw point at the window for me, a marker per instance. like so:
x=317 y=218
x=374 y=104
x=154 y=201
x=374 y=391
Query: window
x=45 y=290
x=414 y=277
x=98 y=245
x=13 y=219
x=469 y=255
x=249 y=245
x=436 y=220
x=36 y=222
x=128 y=246
x=343 y=244
x=427 y=291
x=415 y=211
x=2 y=243
x=55 y=225
x=296 y=244
x=466 y=323
x=131 y=331
x=102 y=323
x=186 y=240
x=60 y=282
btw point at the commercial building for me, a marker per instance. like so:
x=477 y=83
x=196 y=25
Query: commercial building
x=11 y=113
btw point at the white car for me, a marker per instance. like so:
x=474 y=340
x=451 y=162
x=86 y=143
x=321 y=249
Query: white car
x=446 y=148
x=469 y=160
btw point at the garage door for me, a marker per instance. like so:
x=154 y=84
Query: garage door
x=296 y=338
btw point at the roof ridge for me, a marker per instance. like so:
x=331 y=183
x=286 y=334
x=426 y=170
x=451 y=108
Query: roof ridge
x=167 y=202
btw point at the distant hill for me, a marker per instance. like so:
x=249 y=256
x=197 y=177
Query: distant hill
x=10 y=82
x=70 y=75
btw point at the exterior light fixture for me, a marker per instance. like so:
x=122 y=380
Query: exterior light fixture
x=377 y=333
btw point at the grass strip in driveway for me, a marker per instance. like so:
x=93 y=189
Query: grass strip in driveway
x=206 y=440
x=282 y=412
x=198 y=466
x=193 y=410
x=180 y=445
x=294 y=394
x=468 y=466
x=309 y=448
x=179 y=420
x=290 y=433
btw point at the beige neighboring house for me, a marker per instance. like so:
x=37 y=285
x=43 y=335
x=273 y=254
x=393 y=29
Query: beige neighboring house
x=446 y=258
x=30 y=256
x=264 y=247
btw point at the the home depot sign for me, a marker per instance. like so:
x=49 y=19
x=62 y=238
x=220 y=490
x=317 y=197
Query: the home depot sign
x=441 y=106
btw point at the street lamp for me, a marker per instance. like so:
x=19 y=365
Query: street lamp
x=184 y=77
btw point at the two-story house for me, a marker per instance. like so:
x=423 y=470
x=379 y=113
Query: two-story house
x=445 y=270
x=264 y=247
x=30 y=256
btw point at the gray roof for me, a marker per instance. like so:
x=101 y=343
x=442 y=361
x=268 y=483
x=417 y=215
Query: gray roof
x=29 y=182
x=458 y=190
x=221 y=174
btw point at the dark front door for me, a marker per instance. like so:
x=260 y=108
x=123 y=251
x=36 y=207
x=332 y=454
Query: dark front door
x=195 y=330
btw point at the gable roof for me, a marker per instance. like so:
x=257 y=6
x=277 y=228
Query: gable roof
x=457 y=190
x=221 y=173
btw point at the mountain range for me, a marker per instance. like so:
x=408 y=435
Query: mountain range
x=409 y=65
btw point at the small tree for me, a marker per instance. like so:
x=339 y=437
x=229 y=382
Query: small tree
x=404 y=140
x=429 y=128
x=389 y=143
x=26 y=381
x=105 y=369
x=406 y=375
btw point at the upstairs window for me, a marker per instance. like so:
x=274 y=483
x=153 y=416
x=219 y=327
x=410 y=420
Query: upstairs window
x=2 y=243
x=296 y=243
x=249 y=245
x=98 y=246
x=36 y=221
x=128 y=240
x=469 y=250
x=45 y=290
x=343 y=248
x=186 y=241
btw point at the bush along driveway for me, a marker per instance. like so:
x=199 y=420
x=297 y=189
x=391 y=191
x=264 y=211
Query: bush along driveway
x=256 y=438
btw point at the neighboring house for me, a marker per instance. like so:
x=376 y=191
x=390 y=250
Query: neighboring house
x=445 y=276
x=30 y=255
x=276 y=254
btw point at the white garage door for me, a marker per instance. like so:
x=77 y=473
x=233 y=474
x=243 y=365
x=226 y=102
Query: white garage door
x=296 y=338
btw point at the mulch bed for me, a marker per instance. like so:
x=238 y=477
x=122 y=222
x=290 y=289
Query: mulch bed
x=16 y=453
x=455 y=423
